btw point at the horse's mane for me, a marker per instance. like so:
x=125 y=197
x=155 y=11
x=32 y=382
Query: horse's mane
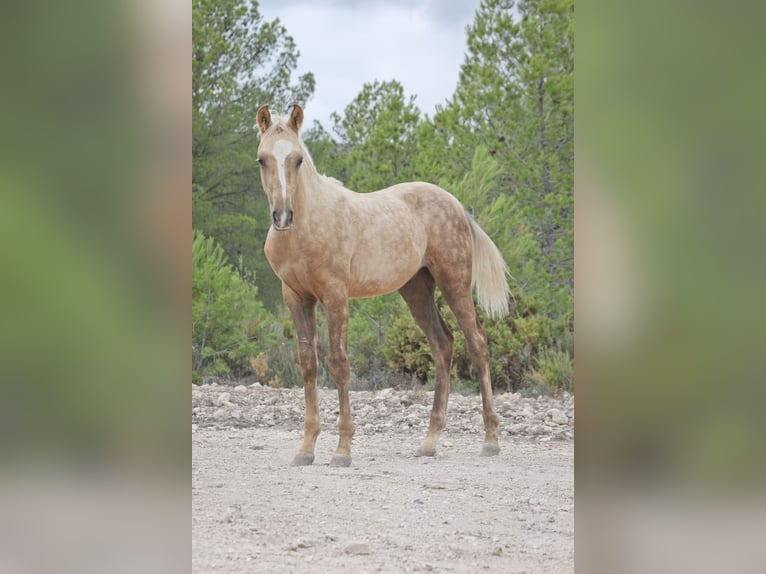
x=280 y=124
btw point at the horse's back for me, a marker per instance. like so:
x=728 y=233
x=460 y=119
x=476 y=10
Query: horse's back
x=417 y=210
x=426 y=198
x=440 y=213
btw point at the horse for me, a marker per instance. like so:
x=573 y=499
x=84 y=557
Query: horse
x=328 y=244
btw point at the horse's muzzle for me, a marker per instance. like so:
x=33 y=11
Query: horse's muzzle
x=282 y=219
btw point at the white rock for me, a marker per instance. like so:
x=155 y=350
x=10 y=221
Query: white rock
x=558 y=417
x=357 y=549
x=527 y=412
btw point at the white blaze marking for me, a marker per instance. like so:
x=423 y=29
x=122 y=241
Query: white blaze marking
x=281 y=150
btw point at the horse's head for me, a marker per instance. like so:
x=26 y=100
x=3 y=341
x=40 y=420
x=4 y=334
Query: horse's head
x=280 y=155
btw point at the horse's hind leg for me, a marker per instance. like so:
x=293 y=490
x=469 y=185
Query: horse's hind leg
x=418 y=292
x=303 y=314
x=458 y=296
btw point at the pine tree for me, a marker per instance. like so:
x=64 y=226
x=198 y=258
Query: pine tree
x=239 y=61
x=377 y=131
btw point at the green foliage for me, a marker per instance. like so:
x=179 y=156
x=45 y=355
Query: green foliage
x=228 y=324
x=239 y=61
x=406 y=349
x=370 y=322
x=377 y=132
x=557 y=369
x=515 y=99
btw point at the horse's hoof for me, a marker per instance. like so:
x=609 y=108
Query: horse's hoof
x=303 y=459
x=490 y=449
x=340 y=460
x=427 y=449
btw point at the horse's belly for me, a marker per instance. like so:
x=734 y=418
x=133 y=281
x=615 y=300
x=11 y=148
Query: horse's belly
x=371 y=275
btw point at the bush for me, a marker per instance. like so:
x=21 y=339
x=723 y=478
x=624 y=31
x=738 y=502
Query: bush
x=228 y=325
x=406 y=349
x=557 y=369
x=529 y=352
x=369 y=322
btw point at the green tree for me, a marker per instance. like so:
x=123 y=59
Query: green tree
x=504 y=146
x=516 y=96
x=377 y=133
x=239 y=61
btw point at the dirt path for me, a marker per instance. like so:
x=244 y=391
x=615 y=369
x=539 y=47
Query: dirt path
x=388 y=512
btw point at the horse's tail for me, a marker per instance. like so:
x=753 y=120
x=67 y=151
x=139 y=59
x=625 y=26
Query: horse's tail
x=488 y=273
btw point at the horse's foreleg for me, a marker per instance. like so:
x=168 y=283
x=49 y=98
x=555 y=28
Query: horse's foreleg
x=337 y=320
x=302 y=311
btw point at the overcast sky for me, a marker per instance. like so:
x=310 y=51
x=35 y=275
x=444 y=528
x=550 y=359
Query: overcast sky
x=345 y=43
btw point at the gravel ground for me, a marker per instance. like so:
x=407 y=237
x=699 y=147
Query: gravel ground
x=390 y=511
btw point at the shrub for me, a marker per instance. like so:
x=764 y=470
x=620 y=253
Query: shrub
x=557 y=369
x=518 y=344
x=228 y=324
x=369 y=323
x=406 y=349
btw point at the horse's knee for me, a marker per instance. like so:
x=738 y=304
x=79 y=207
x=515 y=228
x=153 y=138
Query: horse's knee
x=308 y=362
x=309 y=369
x=338 y=364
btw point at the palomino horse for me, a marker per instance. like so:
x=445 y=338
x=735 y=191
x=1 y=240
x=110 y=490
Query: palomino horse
x=328 y=244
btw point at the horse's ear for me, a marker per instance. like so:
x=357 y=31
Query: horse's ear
x=263 y=118
x=296 y=118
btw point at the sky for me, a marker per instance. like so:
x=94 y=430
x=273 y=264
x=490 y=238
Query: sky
x=345 y=43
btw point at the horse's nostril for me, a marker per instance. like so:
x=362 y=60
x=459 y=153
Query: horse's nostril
x=290 y=217
x=274 y=217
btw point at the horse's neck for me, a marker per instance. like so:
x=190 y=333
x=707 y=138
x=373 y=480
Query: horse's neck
x=319 y=196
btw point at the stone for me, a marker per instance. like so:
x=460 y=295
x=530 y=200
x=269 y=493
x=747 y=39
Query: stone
x=357 y=549
x=558 y=417
x=223 y=399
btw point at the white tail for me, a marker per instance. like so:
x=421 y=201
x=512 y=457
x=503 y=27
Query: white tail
x=488 y=273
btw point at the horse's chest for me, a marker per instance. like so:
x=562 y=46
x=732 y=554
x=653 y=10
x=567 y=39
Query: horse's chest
x=282 y=260
x=302 y=269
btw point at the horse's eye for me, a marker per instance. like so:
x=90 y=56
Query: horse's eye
x=300 y=161
x=260 y=161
